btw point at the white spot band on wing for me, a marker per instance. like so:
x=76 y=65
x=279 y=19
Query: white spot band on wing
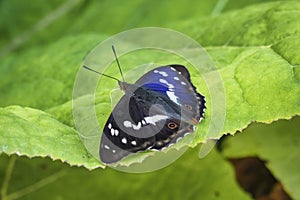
x=172 y=96
x=127 y=124
x=137 y=127
x=166 y=82
x=124 y=140
x=155 y=118
x=163 y=73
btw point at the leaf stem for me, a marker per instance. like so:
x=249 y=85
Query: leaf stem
x=36 y=186
x=7 y=177
x=219 y=7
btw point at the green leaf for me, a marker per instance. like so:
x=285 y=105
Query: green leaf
x=257 y=58
x=263 y=25
x=44 y=78
x=17 y=17
x=277 y=144
x=189 y=178
x=36 y=21
x=30 y=132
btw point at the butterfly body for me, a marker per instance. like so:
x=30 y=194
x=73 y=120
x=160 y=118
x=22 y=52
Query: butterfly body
x=157 y=110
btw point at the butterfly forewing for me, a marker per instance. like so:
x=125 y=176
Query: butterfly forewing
x=180 y=90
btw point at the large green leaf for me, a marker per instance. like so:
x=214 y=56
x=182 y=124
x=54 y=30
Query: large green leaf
x=30 y=132
x=257 y=58
x=36 y=21
x=44 y=78
x=256 y=51
x=188 y=178
x=277 y=144
x=41 y=21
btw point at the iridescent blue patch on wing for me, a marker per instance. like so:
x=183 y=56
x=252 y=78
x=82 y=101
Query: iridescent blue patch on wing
x=156 y=87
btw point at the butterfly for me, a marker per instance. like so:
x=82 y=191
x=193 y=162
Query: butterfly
x=161 y=107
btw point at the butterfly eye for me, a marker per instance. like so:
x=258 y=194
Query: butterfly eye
x=172 y=125
x=188 y=107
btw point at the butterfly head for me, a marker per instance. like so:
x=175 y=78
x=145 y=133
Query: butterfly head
x=123 y=85
x=127 y=88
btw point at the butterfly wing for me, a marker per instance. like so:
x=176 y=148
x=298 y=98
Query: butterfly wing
x=180 y=90
x=173 y=81
x=130 y=127
x=162 y=107
x=200 y=99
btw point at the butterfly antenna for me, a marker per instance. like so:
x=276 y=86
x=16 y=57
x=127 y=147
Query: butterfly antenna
x=100 y=73
x=113 y=49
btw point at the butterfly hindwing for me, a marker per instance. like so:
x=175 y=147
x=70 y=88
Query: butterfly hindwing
x=130 y=128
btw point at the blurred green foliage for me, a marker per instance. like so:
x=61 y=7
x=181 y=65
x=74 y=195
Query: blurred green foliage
x=255 y=46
